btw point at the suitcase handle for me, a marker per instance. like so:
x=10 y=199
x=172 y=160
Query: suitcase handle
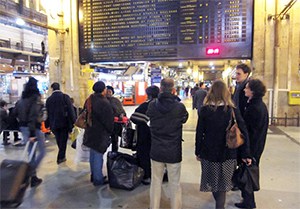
x=31 y=153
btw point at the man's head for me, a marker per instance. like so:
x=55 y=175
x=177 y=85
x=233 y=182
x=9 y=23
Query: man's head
x=202 y=85
x=242 y=72
x=99 y=87
x=3 y=103
x=152 y=92
x=167 y=85
x=55 y=86
x=109 y=91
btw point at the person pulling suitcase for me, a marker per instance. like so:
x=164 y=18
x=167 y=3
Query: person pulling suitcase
x=14 y=178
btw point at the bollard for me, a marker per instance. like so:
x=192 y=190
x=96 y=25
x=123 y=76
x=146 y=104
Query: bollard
x=285 y=119
x=298 y=119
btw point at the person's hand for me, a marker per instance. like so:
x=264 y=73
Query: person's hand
x=32 y=139
x=198 y=158
x=248 y=161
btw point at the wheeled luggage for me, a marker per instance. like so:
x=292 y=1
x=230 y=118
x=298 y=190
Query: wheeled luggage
x=123 y=171
x=14 y=179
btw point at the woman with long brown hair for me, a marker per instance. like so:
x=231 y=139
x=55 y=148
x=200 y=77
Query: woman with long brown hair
x=218 y=162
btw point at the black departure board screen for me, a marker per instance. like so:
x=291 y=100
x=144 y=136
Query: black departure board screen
x=139 y=30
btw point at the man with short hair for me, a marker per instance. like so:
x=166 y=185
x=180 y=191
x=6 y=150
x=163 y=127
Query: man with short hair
x=61 y=117
x=200 y=94
x=166 y=115
x=242 y=76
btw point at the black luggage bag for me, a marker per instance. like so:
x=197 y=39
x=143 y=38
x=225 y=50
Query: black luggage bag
x=14 y=179
x=123 y=171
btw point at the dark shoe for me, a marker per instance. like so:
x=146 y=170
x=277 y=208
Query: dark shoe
x=146 y=181
x=105 y=181
x=6 y=143
x=235 y=188
x=242 y=205
x=17 y=140
x=35 y=181
x=61 y=160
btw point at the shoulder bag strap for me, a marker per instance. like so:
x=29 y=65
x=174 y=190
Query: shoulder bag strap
x=230 y=121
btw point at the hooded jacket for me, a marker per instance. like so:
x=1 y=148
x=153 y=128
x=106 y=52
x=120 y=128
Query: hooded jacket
x=27 y=111
x=166 y=115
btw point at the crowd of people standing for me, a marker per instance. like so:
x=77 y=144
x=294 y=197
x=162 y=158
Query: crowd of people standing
x=159 y=123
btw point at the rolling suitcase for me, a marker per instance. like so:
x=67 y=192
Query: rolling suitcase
x=14 y=179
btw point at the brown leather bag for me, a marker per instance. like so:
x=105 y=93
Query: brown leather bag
x=234 y=137
x=84 y=119
x=81 y=121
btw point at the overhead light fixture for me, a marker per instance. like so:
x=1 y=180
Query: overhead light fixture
x=20 y=21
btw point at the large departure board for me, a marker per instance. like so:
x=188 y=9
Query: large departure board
x=130 y=30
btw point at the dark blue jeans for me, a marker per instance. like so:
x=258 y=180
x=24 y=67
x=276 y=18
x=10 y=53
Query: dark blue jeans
x=96 y=164
x=41 y=150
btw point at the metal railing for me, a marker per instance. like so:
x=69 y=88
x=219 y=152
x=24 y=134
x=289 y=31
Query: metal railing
x=285 y=121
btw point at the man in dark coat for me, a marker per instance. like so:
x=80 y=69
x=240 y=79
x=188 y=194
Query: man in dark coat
x=166 y=115
x=257 y=120
x=98 y=131
x=199 y=96
x=143 y=146
x=61 y=117
x=242 y=76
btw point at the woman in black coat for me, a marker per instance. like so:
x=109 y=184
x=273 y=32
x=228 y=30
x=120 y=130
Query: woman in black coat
x=99 y=128
x=140 y=118
x=257 y=120
x=218 y=162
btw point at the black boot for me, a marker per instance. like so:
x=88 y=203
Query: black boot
x=35 y=181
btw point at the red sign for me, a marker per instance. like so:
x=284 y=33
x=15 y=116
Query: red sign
x=212 y=51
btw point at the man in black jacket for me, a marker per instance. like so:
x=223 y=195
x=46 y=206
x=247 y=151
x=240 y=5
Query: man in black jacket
x=166 y=115
x=61 y=117
x=242 y=76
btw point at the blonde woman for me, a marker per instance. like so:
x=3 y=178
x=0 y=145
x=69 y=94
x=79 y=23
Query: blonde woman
x=218 y=162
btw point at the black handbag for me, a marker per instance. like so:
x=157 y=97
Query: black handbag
x=129 y=137
x=247 y=177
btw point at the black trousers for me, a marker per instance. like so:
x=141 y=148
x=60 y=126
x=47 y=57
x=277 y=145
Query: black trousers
x=61 y=135
x=115 y=137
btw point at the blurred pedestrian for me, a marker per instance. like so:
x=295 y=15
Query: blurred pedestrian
x=218 y=162
x=28 y=111
x=200 y=94
x=61 y=117
x=193 y=91
x=4 y=123
x=166 y=115
x=257 y=120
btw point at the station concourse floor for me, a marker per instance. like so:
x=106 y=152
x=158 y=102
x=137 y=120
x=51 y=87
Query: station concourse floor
x=68 y=185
